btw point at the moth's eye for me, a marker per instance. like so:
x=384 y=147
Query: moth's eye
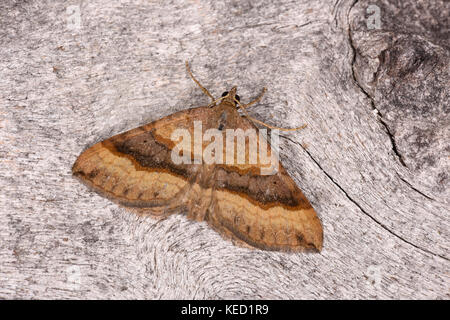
x=224 y=94
x=238 y=98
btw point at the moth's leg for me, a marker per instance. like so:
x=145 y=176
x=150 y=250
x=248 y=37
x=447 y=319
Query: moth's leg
x=269 y=126
x=256 y=100
x=205 y=91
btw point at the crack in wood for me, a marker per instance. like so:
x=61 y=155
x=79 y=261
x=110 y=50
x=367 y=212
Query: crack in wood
x=413 y=188
x=360 y=207
x=372 y=102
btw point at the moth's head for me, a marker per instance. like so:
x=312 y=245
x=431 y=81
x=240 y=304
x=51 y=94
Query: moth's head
x=231 y=96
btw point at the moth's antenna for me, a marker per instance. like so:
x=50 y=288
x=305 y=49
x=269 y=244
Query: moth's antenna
x=243 y=106
x=214 y=102
x=205 y=91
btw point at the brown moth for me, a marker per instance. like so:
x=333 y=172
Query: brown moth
x=136 y=170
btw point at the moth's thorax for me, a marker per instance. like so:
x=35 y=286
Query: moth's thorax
x=228 y=106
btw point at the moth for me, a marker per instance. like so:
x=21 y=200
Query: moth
x=136 y=169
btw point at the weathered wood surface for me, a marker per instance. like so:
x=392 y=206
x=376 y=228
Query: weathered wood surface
x=374 y=159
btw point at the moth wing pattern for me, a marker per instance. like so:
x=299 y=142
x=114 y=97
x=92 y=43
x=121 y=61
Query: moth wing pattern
x=266 y=211
x=134 y=168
